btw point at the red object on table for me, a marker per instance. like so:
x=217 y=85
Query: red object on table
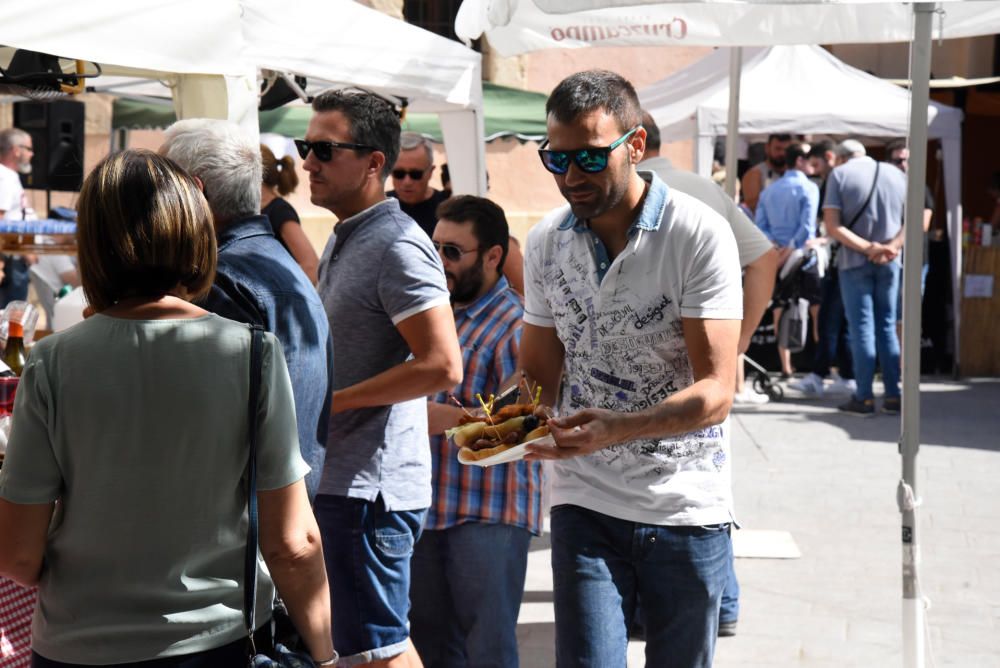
x=17 y=604
x=8 y=389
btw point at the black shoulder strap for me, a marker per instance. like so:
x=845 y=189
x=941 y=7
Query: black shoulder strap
x=864 y=207
x=250 y=569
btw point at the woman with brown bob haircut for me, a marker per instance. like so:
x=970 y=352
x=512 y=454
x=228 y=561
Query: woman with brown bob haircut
x=135 y=421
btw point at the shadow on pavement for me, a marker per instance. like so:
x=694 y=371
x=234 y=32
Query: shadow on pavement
x=961 y=414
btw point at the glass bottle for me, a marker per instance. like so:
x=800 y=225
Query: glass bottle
x=14 y=355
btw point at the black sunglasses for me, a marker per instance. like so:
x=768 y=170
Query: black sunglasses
x=323 y=150
x=451 y=252
x=590 y=160
x=415 y=174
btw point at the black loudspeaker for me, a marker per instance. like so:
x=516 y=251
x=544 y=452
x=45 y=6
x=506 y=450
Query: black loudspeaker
x=56 y=130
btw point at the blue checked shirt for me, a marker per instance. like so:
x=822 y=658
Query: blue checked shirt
x=489 y=332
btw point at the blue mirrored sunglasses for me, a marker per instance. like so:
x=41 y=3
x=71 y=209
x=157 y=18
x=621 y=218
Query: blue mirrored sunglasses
x=590 y=160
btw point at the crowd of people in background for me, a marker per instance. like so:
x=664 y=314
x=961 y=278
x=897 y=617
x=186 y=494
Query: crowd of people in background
x=835 y=216
x=628 y=309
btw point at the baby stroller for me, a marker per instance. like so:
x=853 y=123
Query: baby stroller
x=803 y=266
x=762 y=382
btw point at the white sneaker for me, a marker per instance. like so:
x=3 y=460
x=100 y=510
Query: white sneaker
x=811 y=385
x=843 y=386
x=750 y=396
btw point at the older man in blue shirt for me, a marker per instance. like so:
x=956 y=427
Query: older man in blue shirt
x=257 y=280
x=786 y=214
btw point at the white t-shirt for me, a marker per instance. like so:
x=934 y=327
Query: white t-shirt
x=13 y=201
x=625 y=351
x=750 y=241
x=51 y=268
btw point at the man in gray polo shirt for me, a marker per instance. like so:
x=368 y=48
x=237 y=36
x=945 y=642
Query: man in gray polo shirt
x=863 y=210
x=385 y=292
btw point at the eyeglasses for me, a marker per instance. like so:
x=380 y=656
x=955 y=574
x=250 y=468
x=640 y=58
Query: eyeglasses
x=451 y=252
x=415 y=174
x=590 y=160
x=898 y=161
x=323 y=150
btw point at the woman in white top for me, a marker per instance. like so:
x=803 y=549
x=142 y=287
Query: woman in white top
x=123 y=494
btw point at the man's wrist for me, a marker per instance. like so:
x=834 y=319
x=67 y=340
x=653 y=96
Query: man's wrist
x=332 y=661
x=632 y=426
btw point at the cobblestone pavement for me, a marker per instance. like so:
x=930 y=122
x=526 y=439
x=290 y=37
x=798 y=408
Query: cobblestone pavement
x=830 y=480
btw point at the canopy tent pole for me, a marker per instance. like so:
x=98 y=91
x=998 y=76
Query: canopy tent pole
x=913 y=599
x=232 y=98
x=952 y=148
x=733 y=121
x=467 y=167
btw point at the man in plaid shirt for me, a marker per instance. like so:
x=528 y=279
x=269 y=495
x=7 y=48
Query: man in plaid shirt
x=468 y=567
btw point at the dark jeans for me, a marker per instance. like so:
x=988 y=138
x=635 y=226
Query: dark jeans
x=833 y=336
x=465 y=594
x=368 y=551
x=14 y=286
x=601 y=564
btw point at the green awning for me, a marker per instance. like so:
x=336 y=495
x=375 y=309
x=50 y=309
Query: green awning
x=508 y=112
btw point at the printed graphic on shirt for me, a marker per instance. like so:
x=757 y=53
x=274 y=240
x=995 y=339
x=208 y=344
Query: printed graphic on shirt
x=625 y=351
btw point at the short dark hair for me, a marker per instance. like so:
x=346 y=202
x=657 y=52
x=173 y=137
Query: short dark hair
x=893 y=146
x=489 y=223
x=374 y=121
x=783 y=136
x=652 y=132
x=584 y=92
x=144 y=228
x=794 y=151
x=821 y=148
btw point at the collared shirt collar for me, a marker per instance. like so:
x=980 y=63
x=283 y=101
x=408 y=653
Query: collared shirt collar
x=251 y=226
x=649 y=217
x=344 y=228
x=475 y=309
x=348 y=225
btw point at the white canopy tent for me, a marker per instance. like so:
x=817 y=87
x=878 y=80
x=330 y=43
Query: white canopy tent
x=346 y=43
x=210 y=52
x=519 y=26
x=799 y=89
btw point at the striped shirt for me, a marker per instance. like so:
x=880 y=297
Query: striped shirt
x=489 y=331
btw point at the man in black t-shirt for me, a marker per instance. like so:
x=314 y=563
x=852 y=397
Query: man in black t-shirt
x=411 y=176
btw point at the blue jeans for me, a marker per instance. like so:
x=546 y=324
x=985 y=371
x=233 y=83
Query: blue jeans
x=367 y=551
x=601 y=564
x=465 y=591
x=923 y=286
x=870 y=294
x=832 y=331
x=729 y=610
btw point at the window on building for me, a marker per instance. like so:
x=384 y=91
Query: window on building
x=438 y=16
